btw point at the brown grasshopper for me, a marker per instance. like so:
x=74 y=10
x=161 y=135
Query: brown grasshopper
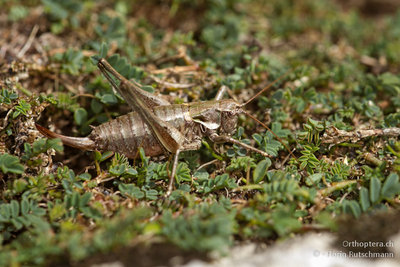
x=159 y=127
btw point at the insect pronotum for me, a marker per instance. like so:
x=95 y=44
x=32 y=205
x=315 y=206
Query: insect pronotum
x=158 y=126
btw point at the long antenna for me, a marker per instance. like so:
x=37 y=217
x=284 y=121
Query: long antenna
x=261 y=123
x=267 y=87
x=266 y=127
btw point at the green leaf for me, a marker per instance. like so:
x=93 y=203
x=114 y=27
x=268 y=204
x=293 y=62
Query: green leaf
x=118 y=170
x=80 y=116
x=268 y=143
x=391 y=186
x=19 y=185
x=75 y=199
x=14 y=208
x=11 y=164
x=109 y=99
x=131 y=171
x=5 y=212
x=7 y=97
x=131 y=190
x=17 y=224
x=24 y=207
x=84 y=199
x=284 y=221
x=23 y=219
x=17 y=12
x=96 y=106
x=314 y=178
x=85 y=176
x=38 y=222
x=23 y=107
x=374 y=189
x=364 y=199
x=57 y=211
x=183 y=173
x=389 y=79
x=260 y=170
x=151 y=194
x=55 y=9
x=97 y=155
x=55 y=144
x=103 y=50
x=35 y=209
x=241 y=163
x=41 y=146
x=105 y=156
x=355 y=208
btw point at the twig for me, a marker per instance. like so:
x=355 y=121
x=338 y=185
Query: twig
x=181 y=55
x=372 y=159
x=83 y=95
x=28 y=43
x=175 y=69
x=206 y=164
x=336 y=186
x=248 y=187
x=336 y=136
x=60 y=50
x=5 y=122
x=172 y=85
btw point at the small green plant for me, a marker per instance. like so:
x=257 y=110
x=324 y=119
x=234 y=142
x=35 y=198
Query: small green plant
x=206 y=185
x=62 y=13
x=374 y=196
x=210 y=228
x=7 y=97
x=308 y=160
x=76 y=203
x=22 y=108
x=395 y=150
x=72 y=61
x=17 y=215
x=10 y=164
x=18 y=12
x=312 y=131
x=41 y=146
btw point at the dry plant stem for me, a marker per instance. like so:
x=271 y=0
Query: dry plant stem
x=336 y=186
x=336 y=136
x=248 y=187
x=176 y=69
x=29 y=42
x=172 y=85
x=206 y=164
x=369 y=157
x=173 y=173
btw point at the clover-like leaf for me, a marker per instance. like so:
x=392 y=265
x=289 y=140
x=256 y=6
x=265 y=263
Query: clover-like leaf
x=9 y=163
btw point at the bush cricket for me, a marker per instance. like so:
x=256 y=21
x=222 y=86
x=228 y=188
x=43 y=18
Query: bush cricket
x=160 y=127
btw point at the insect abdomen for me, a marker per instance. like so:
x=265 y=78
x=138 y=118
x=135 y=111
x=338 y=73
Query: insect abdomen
x=125 y=135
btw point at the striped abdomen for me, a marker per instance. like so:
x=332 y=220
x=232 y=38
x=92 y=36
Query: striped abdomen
x=127 y=133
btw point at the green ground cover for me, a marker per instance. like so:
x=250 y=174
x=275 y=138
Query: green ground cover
x=62 y=205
